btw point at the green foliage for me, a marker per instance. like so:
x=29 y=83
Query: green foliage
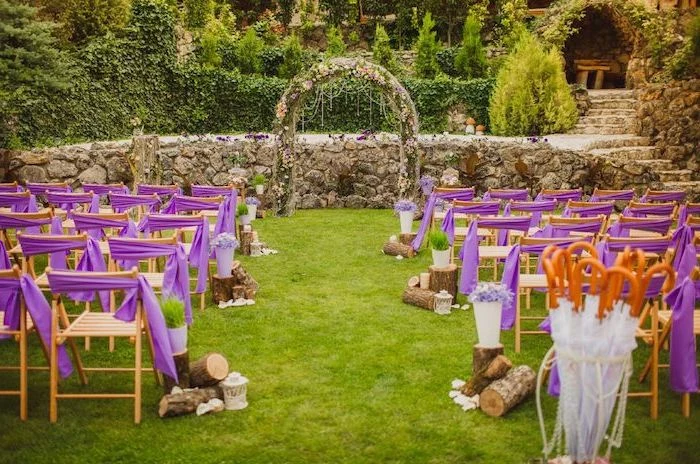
x=173 y=311
x=446 y=60
x=511 y=21
x=241 y=209
x=248 y=51
x=215 y=37
x=337 y=11
x=406 y=25
x=470 y=61
x=531 y=95
x=198 y=13
x=685 y=62
x=382 y=54
x=437 y=239
x=82 y=19
x=286 y=11
x=271 y=58
x=354 y=38
x=336 y=45
x=293 y=58
x=258 y=179
x=427 y=47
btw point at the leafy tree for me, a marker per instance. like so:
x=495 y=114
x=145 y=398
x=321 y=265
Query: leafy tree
x=470 y=61
x=336 y=45
x=511 y=21
x=449 y=12
x=214 y=37
x=427 y=47
x=30 y=62
x=198 y=12
x=337 y=11
x=293 y=58
x=531 y=95
x=381 y=49
x=82 y=19
x=406 y=24
x=248 y=50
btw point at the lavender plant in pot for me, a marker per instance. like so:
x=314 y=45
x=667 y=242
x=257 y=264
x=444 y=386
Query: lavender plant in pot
x=488 y=299
x=253 y=204
x=174 y=314
x=259 y=183
x=406 y=210
x=242 y=213
x=224 y=246
x=426 y=184
x=440 y=245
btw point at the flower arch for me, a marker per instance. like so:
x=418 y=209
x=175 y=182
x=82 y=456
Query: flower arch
x=292 y=102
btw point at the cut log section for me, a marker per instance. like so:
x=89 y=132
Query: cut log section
x=507 y=392
x=482 y=357
x=496 y=369
x=444 y=279
x=418 y=297
x=407 y=239
x=243 y=278
x=246 y=240
x=396 y=249
x=208 y=370
x=239 y=285
x=413 y=281
x=222 y=288
x=179 y=404
x=182 y=367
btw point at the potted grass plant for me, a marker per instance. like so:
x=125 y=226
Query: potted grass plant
x=224 y=246
x=242 y=213
x=259 y=183
x=174 y=314
x=488 y=299
x=406 y=210
x=440 y=245
x=253 y=204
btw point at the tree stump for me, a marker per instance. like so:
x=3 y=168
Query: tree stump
x=407 y=239
x=239 y=285
x=413 y=281
x=444 y=279
x=418 y=297
x=496 y=369
x=182 y=367
x=208 y=370
x=222 y=288
x=482 y=357
x=509 y=391
x=246 y=240
x=243 y=278
x=143 y=159
x=179 y=404
x=396 y=249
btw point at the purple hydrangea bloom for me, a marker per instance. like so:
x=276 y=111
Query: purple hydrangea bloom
x=224 y=240
x=405 y=206
x=252 y=201
x=489 y=292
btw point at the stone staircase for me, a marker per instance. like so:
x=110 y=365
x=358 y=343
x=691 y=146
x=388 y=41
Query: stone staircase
x=611 y=112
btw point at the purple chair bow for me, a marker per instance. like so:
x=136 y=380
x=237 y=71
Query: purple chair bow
x=13 y=290
x=94 y=225
x=461 y=194
x=672 y=195
x=683 y=360
x=176 y=279
x=562 y=196
x=536 y=207
x=608 y=249
x=226 y=206
x=487 y=208
x=105 y=189
x=160 y=190
x=213 y=190
x=588 y=210
x=469 y=254
x=63 y=282
x=622 y=227
x=685 y=258
x=19 y=202
x=688 y=210
x=11 y=187
x=649 y=209
x=69 y=200
x=565 y=229
x=122 y=203
x=616 y=195
x=506 y=194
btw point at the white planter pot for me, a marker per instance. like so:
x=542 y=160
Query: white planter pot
x=224 y=261
x=441 y=258
x=178 y=339
x=488 y=323
x=245 y=219
x=406 y=218
x=260 y=189
x=252 y=212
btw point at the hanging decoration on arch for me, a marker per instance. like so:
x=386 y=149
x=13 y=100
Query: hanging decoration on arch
x=290 y=106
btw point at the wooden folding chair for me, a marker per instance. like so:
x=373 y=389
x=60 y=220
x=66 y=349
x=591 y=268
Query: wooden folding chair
x=43 y=216
x=653 y=210
x=9 y=187
x=582 y=221
x=653 y=196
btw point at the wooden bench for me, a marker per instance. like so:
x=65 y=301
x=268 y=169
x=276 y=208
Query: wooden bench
x=583 y=67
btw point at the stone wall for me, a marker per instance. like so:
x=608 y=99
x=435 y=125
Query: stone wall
x=670 y=117
x=334 y=172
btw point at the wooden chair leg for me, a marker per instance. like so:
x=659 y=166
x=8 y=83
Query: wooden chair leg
x=156 y=373
x=685 y=404
x=63 y=320
x=517 y=321
x=655 y=362
x=53 y=366
x=137 y=368
x=23 y=391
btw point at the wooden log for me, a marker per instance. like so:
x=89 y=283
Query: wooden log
x=246 y=240
x=396 y=248
x=208 y=370
x=221 y=288
x=497 y=368
x=238 y=291
x=482 y=356
x=407 y=239
x=179 y=404
x=182 y=367
x=444 y=279
x=413 y=281
x=243 y=278
x=418 y=297
x=509 y=391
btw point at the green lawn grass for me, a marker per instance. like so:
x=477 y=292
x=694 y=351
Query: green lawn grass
x=340 y=371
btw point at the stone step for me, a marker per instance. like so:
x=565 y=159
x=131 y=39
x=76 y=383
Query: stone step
x=677 y=175
x=614 y=103
x=609 y=120
x=600 y=129
x=692 y=187
x=622 y=142
x=626 y=153
x=611 y=93
x=657 y=165
x=628 y=112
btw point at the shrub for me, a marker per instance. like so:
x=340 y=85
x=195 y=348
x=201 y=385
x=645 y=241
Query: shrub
x=248 y=52
x=446 y=60
x=241 y=209
x=531 y=95
x=215 y=41
x=382 y=53
x=438 y=240
x=336 y=45
x=198 y=13
x=271 y=59
x=173 y=311
x=258 y=179
x=293 y=58
x=470 y=61
x=511 y=21
x=82 y=19
x=427 y=47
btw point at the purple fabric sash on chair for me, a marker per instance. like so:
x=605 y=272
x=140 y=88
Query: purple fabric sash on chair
x=622 y=229
x=511 y=273
x=224 y=220
x=37 y=188
x=469 y=254
x=607 y=251
x=39 y=310
x=61 y=282
x=687 y=210
x=605 y=209
x=95 y=225
x=213 y=190
x=105 y=189
x=685 y=258
x=506 y=194
x=622 y=195
x=18 y=203
x=4 y=264
x=649 y=209
x=466 y=194
x=488 y=208
x=176 y=279
x=69 y=200
x=565 y=230
x=30 y=225
x=536 y=207
x=199 y=251
x=11 y=188
x=683 y=361
x=673 y=195
x=160 y=190
x=122 y=203
x=561 y=196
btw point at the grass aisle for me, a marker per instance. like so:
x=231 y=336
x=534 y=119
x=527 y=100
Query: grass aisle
x=340 y=371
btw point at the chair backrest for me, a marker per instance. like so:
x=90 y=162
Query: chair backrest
x=9 y=187
x=660 y=225
x=589 y=208
x=105 y=189
x=69 y=200
x=125 y=248
x=19 y=201
x=213 y=190
x=618 y=195
x=636 y=208
x=650 y=244
x=88 y=221
x=561 y=195
x=160 y=190
x=533 y=206
x=521 y=223
x=183 y=204
x=122 y=203
x=64 y=282
x=506 y=194
x=39 y=188
x=664 y=195
x=54 y=245
x=22 y=221
x=490 y=208
x=592 y=225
